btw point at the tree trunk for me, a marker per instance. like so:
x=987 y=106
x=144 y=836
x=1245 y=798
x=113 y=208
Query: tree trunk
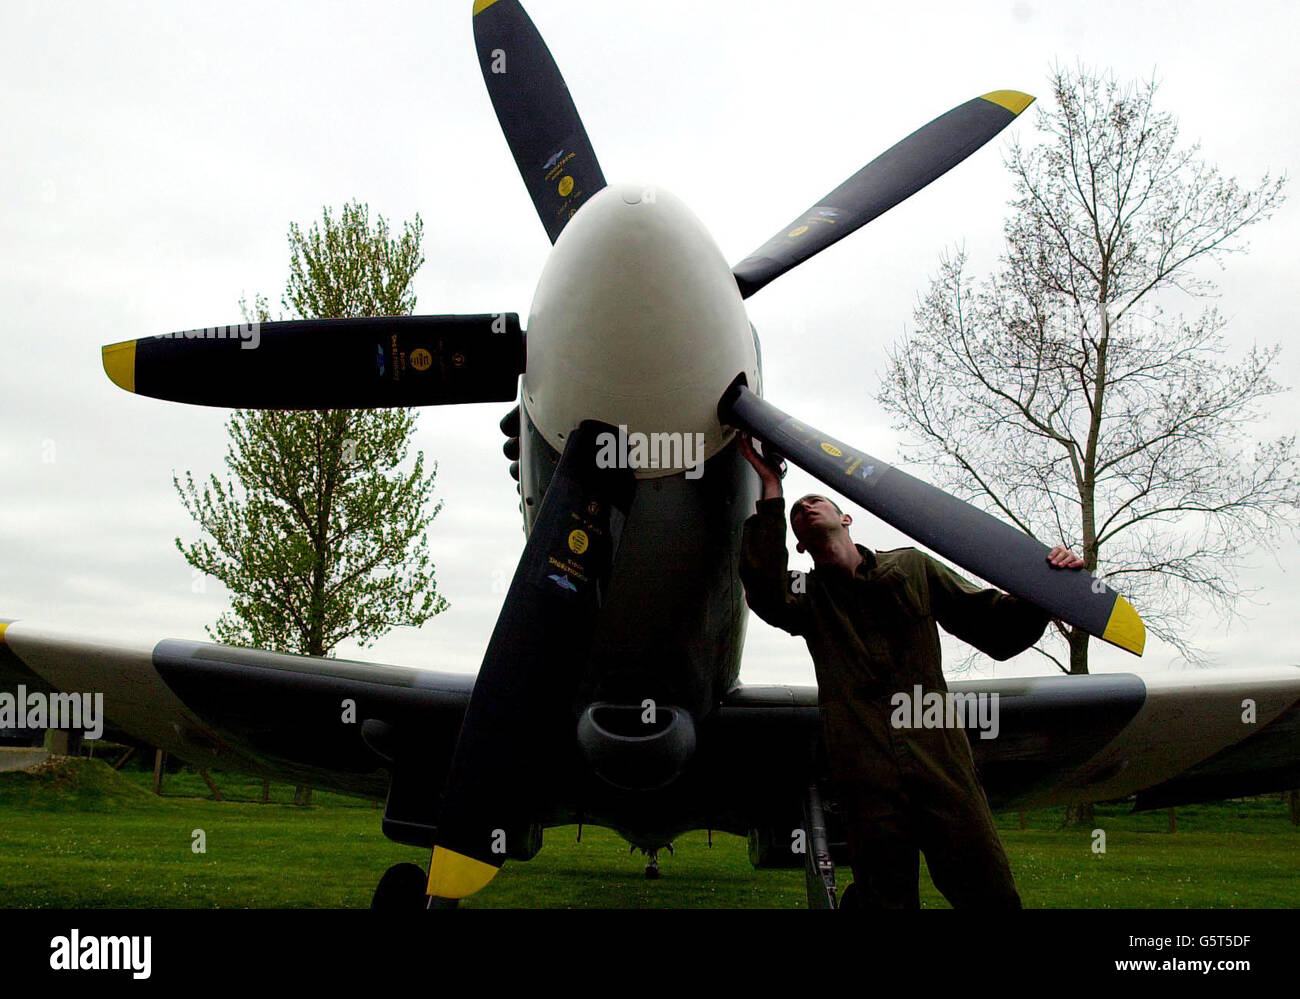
x=159 y=757
x=1078 y=639
x=1295 y=808
x=1173 y=820
x=266 y=790
x=302 y=795
x=1078 y=814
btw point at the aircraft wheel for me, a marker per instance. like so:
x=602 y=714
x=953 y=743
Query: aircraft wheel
x=401 y=889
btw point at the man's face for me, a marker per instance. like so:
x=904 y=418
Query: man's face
x=814 y=515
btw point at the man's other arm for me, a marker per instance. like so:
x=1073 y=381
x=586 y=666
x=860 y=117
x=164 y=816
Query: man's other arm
x=996 y=623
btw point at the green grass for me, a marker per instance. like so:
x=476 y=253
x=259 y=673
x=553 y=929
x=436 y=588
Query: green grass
x=1234 y=854
x=84 y=836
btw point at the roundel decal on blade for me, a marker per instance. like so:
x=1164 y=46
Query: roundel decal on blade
x=421 y=359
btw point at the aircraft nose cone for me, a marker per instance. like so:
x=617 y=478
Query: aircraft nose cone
x=637 y=322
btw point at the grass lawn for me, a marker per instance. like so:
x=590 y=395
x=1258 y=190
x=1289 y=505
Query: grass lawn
x=86 y=837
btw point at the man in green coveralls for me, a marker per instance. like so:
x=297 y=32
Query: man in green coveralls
x=869 y=619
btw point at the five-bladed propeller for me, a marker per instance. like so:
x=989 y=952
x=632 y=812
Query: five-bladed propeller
x=549 y=613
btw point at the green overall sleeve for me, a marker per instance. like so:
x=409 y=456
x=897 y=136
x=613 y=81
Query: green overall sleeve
x=996 y=623
x=775 y=594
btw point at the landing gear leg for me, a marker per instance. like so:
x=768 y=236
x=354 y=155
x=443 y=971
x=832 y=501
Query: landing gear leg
x=818 y=867
x=652 y=858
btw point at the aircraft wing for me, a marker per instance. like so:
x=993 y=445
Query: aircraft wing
x=327 y=723
x=372 y=729
x=1164 y=738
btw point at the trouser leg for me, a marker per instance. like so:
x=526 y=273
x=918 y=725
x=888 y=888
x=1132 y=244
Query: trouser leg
x=886 y=862
x=870 y=789
x=955 y=828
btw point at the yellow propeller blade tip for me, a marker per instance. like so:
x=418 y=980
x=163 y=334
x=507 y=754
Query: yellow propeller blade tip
x=454 y=875
x=1013 y=100
x=119 y=364
x=1125 y=628
x=482 y=5
x=3 y=626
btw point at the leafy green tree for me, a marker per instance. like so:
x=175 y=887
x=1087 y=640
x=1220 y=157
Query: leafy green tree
x=318 y=532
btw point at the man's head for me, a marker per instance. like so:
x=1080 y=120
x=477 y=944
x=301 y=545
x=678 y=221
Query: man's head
x=815 y=517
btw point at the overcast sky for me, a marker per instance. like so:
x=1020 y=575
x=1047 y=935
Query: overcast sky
x=155 y=154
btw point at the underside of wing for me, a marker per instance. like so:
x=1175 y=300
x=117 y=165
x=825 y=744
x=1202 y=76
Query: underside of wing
x=1067 y=739
x=1158 y=739
x=328 y=723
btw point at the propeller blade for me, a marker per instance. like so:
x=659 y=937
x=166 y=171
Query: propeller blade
x=328 y=363
x=893 y=176
x=531 y=668
x=537 y=115
x=976 y=541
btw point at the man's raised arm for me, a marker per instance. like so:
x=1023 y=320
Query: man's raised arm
x=769 y=589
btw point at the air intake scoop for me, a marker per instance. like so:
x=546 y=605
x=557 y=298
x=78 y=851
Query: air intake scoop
x=636 y=747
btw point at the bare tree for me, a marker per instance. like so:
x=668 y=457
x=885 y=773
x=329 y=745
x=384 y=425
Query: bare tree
x=1059 y=394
